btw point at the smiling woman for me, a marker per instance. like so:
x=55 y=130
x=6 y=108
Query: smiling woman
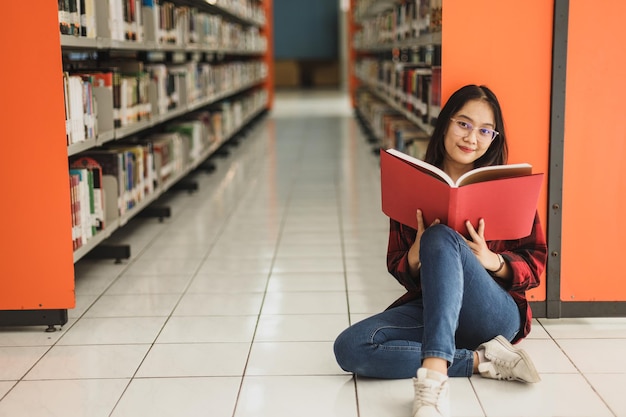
x=466 y=298
x=477 y=106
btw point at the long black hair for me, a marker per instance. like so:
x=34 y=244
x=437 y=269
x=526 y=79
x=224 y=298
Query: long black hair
x=497 y=152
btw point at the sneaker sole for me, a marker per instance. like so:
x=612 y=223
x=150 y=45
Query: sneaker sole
x=534 y=375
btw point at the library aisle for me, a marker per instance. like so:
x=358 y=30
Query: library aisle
x=230 y=307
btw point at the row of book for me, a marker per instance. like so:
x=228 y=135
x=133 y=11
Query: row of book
x=391 y=127
x=246 y=9
x=77 y=17
x=414 y=88
x=109 y=182
x=122 y=93
x=162 y=22
x=406 y=20
x=187 y=26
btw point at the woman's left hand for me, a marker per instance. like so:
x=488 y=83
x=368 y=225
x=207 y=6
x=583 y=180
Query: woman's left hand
x=478 y=245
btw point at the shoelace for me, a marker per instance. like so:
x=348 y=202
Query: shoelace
x=503 y=370
x=427 y=394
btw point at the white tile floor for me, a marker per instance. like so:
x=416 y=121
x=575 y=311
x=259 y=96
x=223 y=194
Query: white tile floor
x=230 y=307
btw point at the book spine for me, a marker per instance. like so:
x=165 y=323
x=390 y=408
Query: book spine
x=64 y=17
x=74 y=18
x=77 y=211
x=92 y=207
x=66 y=90
x=77 y=109
x=128 y=192
x=73 y=212
x=121 y=174
x=83 y=18
x=117 y=98
x=98 y=204
x=90 y=18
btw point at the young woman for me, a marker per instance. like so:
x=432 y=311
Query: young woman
x=466 y=298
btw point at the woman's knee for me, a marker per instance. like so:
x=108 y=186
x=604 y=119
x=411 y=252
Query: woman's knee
x=345 y=347
x=438 y=237
x=438 y=232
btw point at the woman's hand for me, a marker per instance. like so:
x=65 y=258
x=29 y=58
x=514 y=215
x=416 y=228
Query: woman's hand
x=414 y=251
x=478 y=245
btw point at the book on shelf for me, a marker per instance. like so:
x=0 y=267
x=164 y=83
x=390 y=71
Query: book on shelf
x=84 y=197
x=168 y=158
x=435 y=15
x=104 y=81
x=112 y=163
x=505 y=196
x=74 y=17
x=96 y=192
x=76 y=128
x=391 y=129
x=150 y=181
x=80 y=105
x=412 y=141
x=194 y=132
x=118 y=26
x=87 y=18
x=134 y=172
x=150 y=20
x=77 y=18
x=421 y=24
x=434 y=96
x=68 y=116
x=75 y=211
x=64 y=17
x=160 y=100
x=134 y=105
x=414 y=89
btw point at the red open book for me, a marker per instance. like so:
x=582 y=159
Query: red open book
x=505 y=195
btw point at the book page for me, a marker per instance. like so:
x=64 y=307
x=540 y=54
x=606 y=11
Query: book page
x=423 y=166
x=481 y=174
x=493 y=172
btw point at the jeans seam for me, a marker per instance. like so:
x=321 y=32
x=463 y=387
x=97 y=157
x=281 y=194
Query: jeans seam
x=373 y=335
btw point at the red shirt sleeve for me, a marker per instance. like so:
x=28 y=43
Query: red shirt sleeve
x=400 y=240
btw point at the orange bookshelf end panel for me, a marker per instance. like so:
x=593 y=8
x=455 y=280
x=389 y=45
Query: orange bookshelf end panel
x=36 y=263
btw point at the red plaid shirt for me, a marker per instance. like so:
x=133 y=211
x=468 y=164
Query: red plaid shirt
x=526 y=257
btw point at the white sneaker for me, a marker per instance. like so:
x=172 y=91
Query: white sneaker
x=505 y=361
x=432 y=392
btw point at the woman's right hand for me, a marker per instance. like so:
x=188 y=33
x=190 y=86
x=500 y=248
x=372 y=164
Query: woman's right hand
x=414 y=251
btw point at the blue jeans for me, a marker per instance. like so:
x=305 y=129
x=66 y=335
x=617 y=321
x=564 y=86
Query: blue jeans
x=462 y=307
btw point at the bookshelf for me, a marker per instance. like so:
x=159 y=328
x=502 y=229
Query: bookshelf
x=215 y=64
x=396 y=68
x=511 y=53
x=221 y=45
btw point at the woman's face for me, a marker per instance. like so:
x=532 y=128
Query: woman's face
x=464 y=146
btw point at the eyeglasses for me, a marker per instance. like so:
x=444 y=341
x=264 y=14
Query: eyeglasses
x=463 y=129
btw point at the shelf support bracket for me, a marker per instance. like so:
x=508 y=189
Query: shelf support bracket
x=50 y=318
x=104 y=251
